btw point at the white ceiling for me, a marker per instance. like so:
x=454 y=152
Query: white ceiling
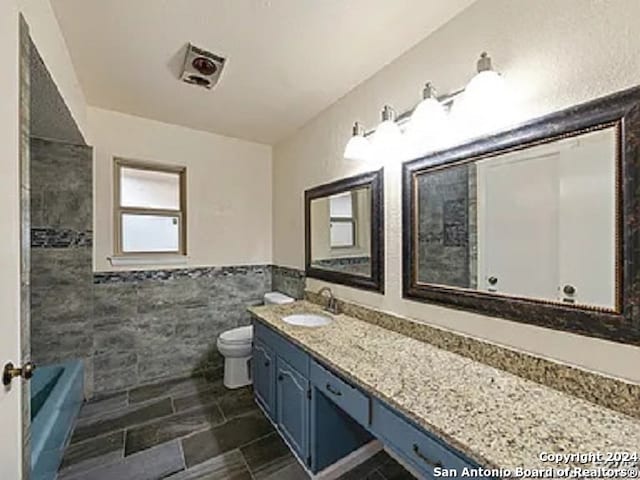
x=287 y=59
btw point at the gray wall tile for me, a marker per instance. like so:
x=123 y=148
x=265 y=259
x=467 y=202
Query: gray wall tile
x=119 y=301
x=114 y=371
x=289 y=281
x=67 y=209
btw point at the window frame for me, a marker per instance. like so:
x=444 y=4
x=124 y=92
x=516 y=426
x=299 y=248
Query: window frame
x=353 y=220
x=119 y=211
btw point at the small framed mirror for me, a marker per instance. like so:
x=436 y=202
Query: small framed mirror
x=344 y=224
x=537 y=224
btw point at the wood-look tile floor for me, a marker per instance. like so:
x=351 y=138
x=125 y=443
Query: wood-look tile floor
x=189 y=429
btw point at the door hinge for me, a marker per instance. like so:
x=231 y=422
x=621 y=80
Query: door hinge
x=309 y=394
x=309 y=460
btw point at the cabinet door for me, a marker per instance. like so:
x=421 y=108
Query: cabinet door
x=264 y=381
x=293 y=408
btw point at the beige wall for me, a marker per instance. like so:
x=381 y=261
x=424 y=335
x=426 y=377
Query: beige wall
x=47 y=37
x=552 y=54
x=228 y=188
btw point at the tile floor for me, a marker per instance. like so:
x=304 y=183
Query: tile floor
x=188 y=429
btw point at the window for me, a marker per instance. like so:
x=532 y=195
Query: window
x=149 y=208
x=342 y=220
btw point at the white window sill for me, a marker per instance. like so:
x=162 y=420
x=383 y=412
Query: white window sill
x=145 y=260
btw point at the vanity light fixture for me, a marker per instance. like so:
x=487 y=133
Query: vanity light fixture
x=358 y=148
x=481 y=104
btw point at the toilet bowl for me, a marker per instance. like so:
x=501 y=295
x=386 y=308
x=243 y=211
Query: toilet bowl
x=235 y=346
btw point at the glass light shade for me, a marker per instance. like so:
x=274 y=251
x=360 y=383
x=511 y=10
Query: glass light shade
x=388 y=142
x=427 y=114
x=358 y=148
x=482 y=108
x=485 y=87
x=428 y=127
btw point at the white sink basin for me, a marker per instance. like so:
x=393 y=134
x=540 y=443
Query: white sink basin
x=307 y=320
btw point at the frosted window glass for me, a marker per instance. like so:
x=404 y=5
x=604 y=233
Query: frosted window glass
x=342 y=234
x=149 y=189
x=150 y=233
x=341 y=205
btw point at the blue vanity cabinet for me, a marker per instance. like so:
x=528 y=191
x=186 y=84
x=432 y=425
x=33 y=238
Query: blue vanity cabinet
x=324 y=417
x=292 y=400
x=264 y=377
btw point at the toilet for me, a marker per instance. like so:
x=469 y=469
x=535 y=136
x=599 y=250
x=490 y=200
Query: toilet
x=235 y=346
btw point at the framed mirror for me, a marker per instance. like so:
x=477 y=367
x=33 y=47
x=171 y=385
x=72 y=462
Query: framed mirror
x=344 y=231
x=538 y=224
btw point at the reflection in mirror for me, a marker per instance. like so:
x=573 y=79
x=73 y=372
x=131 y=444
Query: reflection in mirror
x=341 y=232
x=538 y=222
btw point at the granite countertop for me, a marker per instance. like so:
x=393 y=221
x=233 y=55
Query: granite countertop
x=496 y=418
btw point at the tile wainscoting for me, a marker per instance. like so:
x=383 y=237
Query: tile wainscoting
x=164 y=323
x=289 y=281
x=136 y=327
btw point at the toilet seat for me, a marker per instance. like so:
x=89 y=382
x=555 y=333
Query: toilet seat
x=237 y=336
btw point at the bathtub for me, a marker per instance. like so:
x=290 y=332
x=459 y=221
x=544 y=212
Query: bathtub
x=57 y=393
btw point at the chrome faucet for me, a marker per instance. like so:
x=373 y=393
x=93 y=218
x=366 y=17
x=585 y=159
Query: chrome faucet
x=332 y=304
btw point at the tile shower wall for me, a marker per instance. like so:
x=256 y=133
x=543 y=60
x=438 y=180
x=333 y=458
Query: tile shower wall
x=61 y=267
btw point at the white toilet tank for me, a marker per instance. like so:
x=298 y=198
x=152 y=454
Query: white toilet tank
x=277 y=298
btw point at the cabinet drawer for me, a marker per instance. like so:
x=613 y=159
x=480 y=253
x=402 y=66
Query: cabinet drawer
x=283 y=348
x=419 y=448
x=347 y=397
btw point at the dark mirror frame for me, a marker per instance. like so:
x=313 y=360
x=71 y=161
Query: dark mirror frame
x=375 y=181
x=621 y=324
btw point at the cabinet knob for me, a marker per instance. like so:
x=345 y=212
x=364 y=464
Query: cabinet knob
x=267 y=363
x=569 y=289
x=280 y=377
x=492 y=280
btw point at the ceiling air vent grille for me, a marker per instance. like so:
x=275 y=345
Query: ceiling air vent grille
x=202 y=68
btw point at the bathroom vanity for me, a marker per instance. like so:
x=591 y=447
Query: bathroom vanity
x=331 y=389
x=324 y=416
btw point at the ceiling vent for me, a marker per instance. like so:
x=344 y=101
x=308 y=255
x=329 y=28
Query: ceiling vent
x=202 y=68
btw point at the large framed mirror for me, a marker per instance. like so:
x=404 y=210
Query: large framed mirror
x=344 y=231
x=538 y=224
